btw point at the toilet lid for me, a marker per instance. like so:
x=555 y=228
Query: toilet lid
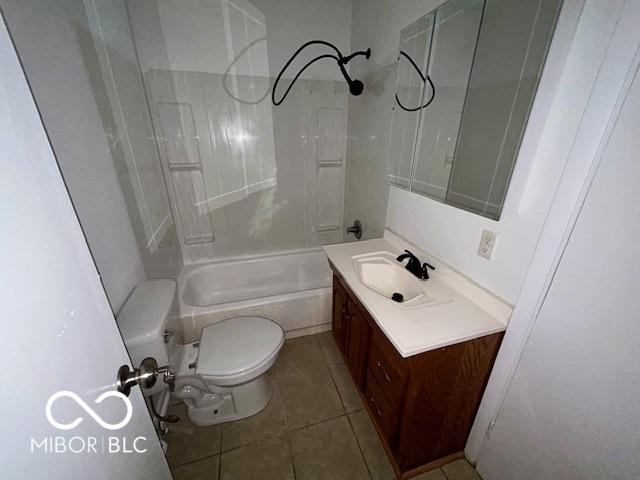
x=236 y=345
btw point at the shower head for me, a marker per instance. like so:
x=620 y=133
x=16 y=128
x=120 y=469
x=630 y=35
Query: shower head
x=356 y=87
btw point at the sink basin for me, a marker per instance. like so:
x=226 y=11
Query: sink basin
x=382 y=273
x=379 y=274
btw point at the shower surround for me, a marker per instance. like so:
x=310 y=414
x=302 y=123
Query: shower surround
x=244 y=177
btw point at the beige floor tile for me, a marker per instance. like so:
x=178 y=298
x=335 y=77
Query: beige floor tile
x=346 y=388
x=329 y=348
x=460 y=470
x=270 y=422
x=188 y=442
x=309 y=399
x=432 y=475
x=300 y=355
x=206 y=469
x=327 y=451
x=267 y=459
x=371 y=447
x=307 y=387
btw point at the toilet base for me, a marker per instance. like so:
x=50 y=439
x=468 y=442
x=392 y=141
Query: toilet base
x=230 y=404
x=210 y=404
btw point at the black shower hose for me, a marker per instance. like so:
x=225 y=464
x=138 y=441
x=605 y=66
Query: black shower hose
x=338 y=58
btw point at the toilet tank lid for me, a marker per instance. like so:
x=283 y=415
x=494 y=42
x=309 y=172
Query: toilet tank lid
x=146 y=312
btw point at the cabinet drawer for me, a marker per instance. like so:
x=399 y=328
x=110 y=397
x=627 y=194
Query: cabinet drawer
x=385 y=414
x=389 y=378
x=382 y=343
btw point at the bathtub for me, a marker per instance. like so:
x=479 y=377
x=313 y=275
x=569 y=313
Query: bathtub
x=293 y=289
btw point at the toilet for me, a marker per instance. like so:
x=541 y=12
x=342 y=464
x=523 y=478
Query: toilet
x=220 y=377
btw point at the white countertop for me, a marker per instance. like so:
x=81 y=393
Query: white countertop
x=472 y=312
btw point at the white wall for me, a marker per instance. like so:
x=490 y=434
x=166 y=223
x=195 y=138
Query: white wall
x=571 y=410
x=47 y=38
x=453 y=235
x=290 y=23
x=595 y=80
x=365 y=195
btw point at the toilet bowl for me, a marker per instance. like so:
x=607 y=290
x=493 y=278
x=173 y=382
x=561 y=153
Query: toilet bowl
x=220 y=377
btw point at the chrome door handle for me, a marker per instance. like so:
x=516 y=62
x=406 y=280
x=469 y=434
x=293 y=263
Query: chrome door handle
x=145 y=376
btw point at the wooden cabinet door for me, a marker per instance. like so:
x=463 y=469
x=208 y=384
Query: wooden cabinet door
x=339 y=315
x=357 y=341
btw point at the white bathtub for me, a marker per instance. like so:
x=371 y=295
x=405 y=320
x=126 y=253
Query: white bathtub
x=293 y=289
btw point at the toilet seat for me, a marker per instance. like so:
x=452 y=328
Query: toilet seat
x=238 y=350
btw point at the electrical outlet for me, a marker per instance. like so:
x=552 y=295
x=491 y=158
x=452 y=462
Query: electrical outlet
x=487 y=242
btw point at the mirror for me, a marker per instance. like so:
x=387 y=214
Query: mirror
x=477 y=64
x=413 y=58
x=454 y=41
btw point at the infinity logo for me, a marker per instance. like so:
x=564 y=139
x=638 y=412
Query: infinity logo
x=89 y=410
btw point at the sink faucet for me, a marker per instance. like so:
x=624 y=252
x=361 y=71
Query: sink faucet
x=414 y=266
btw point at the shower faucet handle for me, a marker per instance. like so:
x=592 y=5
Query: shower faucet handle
x=356 y=229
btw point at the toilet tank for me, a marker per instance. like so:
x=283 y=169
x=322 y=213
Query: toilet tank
x=149 y=324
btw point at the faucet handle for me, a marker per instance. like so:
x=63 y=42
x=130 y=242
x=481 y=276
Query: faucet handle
x=424 y=272
x=406 y=254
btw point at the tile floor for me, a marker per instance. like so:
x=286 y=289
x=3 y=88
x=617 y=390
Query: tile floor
x=314 y=428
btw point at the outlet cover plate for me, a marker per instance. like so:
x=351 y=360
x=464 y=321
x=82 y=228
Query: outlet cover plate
x=487 y=244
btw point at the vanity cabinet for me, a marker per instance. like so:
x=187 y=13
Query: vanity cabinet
x=422 y=406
